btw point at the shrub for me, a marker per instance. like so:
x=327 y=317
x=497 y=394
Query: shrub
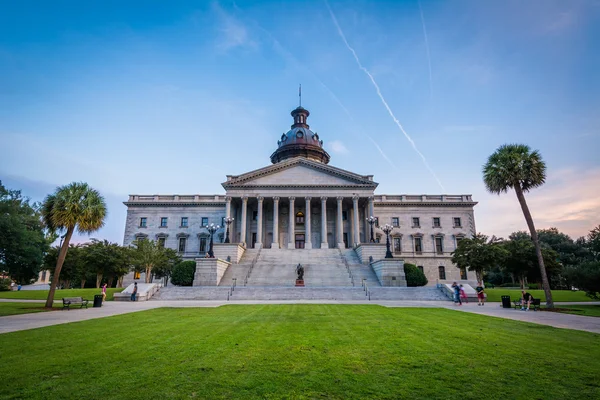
x=183 y=273
x=414 y=276
x=533 y=286
x=5 y=285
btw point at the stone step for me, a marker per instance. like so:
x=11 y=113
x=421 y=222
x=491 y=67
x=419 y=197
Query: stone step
x=299 y=293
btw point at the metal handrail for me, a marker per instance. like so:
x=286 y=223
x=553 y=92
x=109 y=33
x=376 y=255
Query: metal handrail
x=252 y=267
x=347 y=267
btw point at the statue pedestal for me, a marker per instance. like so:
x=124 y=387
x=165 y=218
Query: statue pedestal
x=299 y=282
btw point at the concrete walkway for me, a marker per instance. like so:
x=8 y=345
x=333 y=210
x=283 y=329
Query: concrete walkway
x=38 y=320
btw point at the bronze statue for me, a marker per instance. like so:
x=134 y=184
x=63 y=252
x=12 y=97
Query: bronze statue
x=300 y=272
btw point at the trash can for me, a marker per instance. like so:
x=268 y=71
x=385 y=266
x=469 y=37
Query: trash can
x=98 y=300
x=506 y=302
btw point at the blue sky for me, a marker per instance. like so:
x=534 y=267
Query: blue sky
x=168 y=97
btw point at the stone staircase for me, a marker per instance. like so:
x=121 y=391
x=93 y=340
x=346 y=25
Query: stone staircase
x=359 y=271
x=277 y=267
x=239 y=271
x=220 y=293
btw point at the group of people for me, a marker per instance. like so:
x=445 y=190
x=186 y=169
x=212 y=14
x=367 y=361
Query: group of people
x=460 y=295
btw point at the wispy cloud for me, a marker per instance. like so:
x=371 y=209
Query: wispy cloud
x=387 y=107
x=233 y=33
x=338 y=147
x=569 y=201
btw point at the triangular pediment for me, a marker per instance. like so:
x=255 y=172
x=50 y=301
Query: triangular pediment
x=299 y=172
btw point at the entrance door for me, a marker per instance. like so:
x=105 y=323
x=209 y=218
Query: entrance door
x=346 y=240
x=299 y=240
x=253 y=239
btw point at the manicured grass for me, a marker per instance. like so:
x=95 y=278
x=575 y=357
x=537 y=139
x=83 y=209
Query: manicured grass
x=21 y=308
x=557 y=295
x=59 y=294
x=590 y=311
x=300 y=352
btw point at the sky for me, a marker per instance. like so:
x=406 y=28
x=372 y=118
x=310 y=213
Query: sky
x=155 y=97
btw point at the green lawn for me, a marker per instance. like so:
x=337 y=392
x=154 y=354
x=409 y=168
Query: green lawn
x=590 y=311
x=557 y=295
x=300 y=352
x=59 y=294
x=21 y=308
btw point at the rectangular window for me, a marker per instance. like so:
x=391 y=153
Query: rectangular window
x=161 y=242
x=442 y=272
x=44 y=275
x=254 y=215
x=136 y=275
x=458 y=239
x=395 y=222
x=439 y=248
x=163 y=222
x=418 y=245
x=344 y=215
x=202 y=244
x=457 y=222
x=143 y=222
x=182 y=244
x=376 y=222
x=184 y=222
x=416 y=222
x=397 y=245
x=463 y=274
x=223 y=222
x=204 y=221
x=436 y=222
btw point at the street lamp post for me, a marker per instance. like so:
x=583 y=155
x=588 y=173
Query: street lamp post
x=212 y=228
x=387 y=228
x=228 y=222
x=371 y=220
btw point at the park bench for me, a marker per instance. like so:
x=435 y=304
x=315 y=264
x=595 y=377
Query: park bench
x=535 y=303
x=80 y=301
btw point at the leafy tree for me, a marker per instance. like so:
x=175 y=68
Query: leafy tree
x=105 y=258
x=569 y=252
x=70 y=207
x=414 y=276
x=73 y=270
x=183 y=273
x=478 y=254
x=165 y=268
x=515 y=166
x=586 y=277
x=22 y=239
x=593 y=242
x=147 y=255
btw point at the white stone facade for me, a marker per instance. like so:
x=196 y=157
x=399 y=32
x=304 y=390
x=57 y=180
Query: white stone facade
x=302 y=203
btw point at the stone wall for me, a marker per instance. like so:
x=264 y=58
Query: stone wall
x=209 y=271
x=366 y=250
x=390 y=272
x=234 y=251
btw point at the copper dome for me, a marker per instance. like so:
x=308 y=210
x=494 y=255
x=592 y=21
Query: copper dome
x=300 y=141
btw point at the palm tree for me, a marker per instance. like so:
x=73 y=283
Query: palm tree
x=516 y=166
x=70 y=207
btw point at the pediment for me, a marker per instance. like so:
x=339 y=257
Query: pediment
x=299 y=172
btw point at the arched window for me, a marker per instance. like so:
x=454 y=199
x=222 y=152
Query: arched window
x=300 y=217
x=442 y=272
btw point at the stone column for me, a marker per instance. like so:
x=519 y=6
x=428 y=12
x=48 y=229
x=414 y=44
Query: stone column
x=324 y=243
x=339 y=227
x=291 y=238
x=371 y=207
x=227 y=207
x=356 y=226
x=244 y=217
x=275 y=244
x=307 y=238
x=259 y=223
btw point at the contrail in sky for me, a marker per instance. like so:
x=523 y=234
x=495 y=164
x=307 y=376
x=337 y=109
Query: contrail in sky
x=287 y=54
x=389 y=110
x=427 y=48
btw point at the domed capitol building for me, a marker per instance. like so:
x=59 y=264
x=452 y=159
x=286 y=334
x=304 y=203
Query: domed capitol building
x=300 y=209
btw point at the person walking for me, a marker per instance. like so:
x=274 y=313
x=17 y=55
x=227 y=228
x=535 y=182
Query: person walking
x=134 y=293
x=104 y=293
x=456 y=289
x=480 y=294
x=463 y=295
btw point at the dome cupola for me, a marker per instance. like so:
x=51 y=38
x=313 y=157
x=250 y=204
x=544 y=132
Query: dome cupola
x=300 y=141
